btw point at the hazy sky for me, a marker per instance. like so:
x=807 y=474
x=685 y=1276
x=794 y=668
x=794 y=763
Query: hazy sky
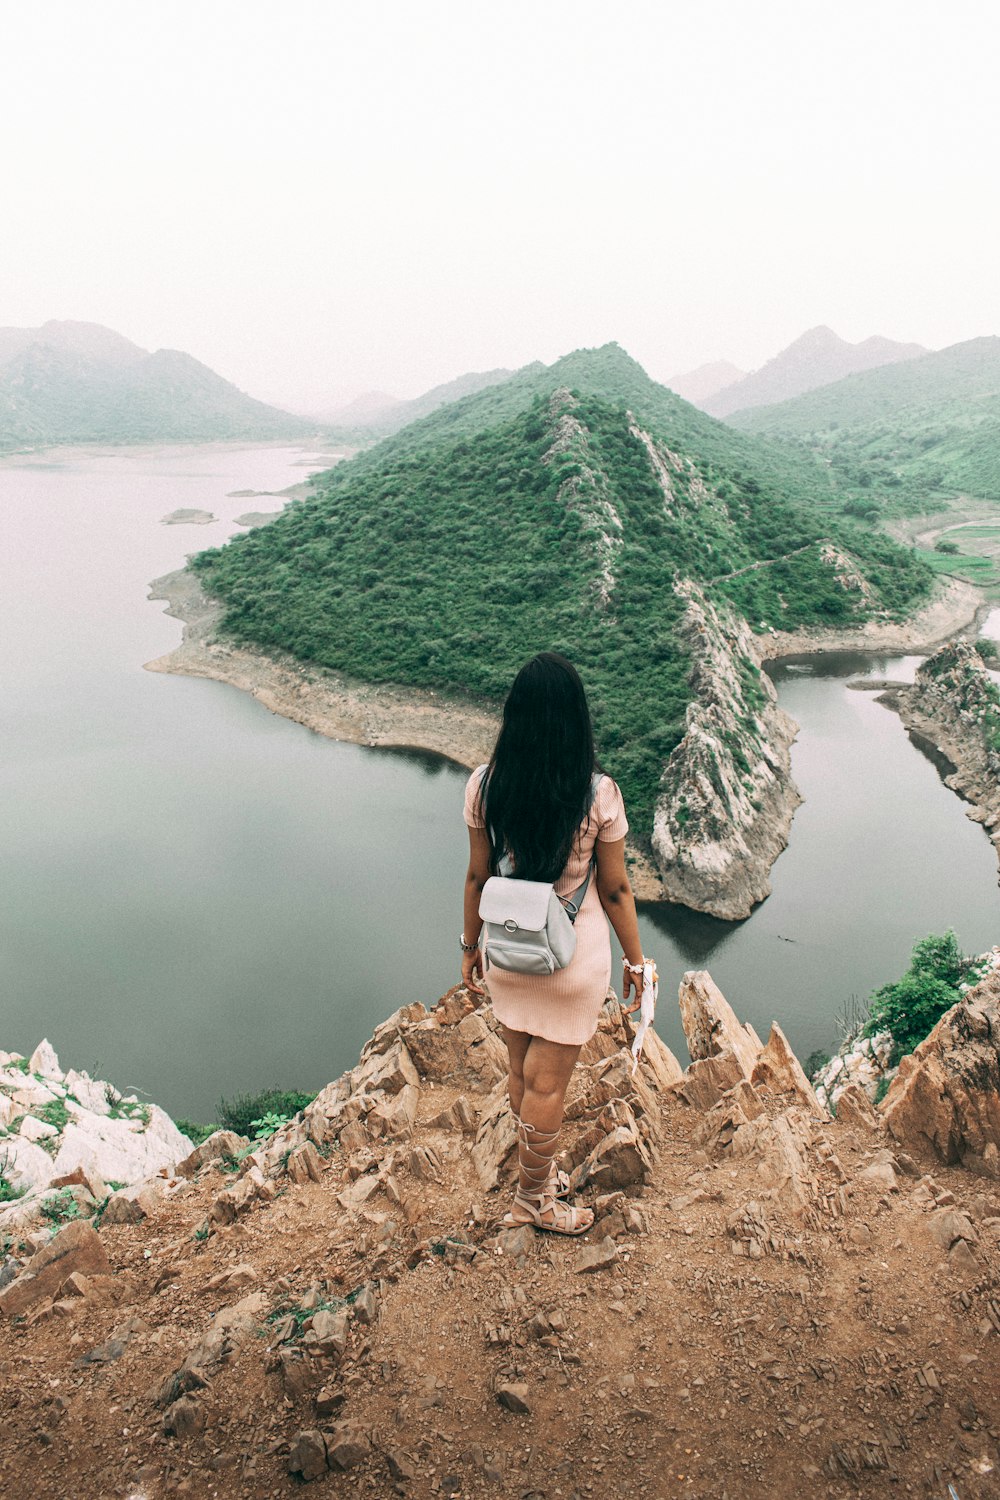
x=318 y=198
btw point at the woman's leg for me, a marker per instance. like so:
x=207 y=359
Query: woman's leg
x=546 y=1069
x=517 y=1045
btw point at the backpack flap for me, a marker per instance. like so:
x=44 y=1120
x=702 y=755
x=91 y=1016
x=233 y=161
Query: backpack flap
x=517 y=905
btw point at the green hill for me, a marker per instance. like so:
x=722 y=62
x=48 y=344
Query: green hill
x=527 y=517
x=79 y=382
x=910 y=435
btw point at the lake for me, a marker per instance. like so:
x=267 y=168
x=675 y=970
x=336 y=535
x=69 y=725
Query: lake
x=203 y=899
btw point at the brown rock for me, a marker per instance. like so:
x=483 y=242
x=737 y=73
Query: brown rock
x=365 y=1305
x=330 y=1401
x=399 y=1464
x=293 y=1373
x=513 y=1396
x=396 y=1115
x=596 y=1257
x=221 y=1143
x=948 y=1225
x=308 y=1455
x=87 y=1177
x=946 y=1097
x=236 y=1279
x=347 y=1445
x=130 y=1205
x=778 y=1071
x=305 y=1163
x=184 y=1417
x=470 y=1049
x=711 y=1026
x=854 y=1108
x=328 y=1331
x=77 y=1247
x=496 y=1139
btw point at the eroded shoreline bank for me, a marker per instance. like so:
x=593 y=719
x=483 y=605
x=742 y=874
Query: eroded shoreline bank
x=380 y=715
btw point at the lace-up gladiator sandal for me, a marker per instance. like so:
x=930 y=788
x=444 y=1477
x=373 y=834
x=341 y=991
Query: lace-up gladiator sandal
x=538 y=1205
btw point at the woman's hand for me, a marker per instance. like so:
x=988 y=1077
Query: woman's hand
x=632 y=982
x=472 y=968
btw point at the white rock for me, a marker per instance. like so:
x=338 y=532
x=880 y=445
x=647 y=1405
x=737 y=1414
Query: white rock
x=24 y=1163
x=91 y=1094
x=31 y=1094
x=36 y=1130
x=44 y=1060
x=120 y=1149
x=8 y=1109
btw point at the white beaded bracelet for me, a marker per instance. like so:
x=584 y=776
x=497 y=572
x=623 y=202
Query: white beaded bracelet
x=634 y=968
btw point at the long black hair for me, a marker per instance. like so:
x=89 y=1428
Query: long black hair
x=538 y=781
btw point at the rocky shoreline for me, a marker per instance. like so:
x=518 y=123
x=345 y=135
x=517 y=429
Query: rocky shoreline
x=954 y=705
x=957 y=606
x=726 y=877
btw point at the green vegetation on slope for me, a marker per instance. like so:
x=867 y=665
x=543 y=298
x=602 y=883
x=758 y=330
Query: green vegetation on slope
x=612 y=376
x=905 y=437
x=911 y=1007
x=447 y=563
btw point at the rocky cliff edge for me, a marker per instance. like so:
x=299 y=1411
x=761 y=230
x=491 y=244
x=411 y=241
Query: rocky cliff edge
x=771 y=1301
x=727 y=797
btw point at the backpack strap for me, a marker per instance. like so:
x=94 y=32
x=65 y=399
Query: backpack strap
x=571 y=904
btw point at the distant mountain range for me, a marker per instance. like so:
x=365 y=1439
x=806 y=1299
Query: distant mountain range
x=916 y=433
x=70 y=382
x=376 y=415
x=698 y=385
x=818 y=358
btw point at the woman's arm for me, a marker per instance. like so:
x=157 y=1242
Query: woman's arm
x=475 y=878
x=616 y=897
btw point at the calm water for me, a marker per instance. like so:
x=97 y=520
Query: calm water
x=200 y=898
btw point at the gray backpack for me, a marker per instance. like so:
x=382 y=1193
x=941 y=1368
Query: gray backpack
x=528 y=928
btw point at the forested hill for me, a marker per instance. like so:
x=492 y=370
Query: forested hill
x=915 y=433
x=510 y=523
x=613 y=376
x=79 y=382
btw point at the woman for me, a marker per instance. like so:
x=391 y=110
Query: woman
x=540 y=802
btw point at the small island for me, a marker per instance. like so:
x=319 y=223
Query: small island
x=189 y=518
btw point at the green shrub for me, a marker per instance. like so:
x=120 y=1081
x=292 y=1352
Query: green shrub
x=815 y=1061
x=244 y=1113
x=53 y=1113
x=8 y=1192
x=61 y=1208
x=195 y=1133
x=912 y=1006
x=943 y=546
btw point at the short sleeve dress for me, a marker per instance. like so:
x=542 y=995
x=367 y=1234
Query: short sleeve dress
x=564 y=1006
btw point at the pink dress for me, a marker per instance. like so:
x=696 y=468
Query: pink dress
x=564 y=1006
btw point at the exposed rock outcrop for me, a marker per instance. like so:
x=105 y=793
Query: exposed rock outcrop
x=945 y=1099
x=726 y=796
x=954 y=704
x=346 y=1298
x=67 y=1131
